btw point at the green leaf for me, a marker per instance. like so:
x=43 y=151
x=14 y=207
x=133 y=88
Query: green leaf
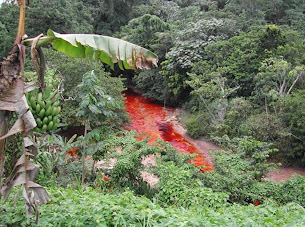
x=106 y=49
x=85 y=102
x=94 y=109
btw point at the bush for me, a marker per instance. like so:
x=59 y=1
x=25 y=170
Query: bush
x=238 y=111
x=200 y=123
x=292 y=190
x=179 y=182
x=89 y=207
x=179 y=186
x=128 y=153
x=266 y=127
x=239 y=168
x=196 y=129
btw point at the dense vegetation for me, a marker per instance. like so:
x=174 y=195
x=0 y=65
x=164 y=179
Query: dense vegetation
x=184 y=196
x=236 y=67
x=93 y=208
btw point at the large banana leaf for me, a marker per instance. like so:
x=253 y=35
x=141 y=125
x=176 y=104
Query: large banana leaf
x=106 y=49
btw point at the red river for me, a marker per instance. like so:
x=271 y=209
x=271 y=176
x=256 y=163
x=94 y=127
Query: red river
x=149 y=119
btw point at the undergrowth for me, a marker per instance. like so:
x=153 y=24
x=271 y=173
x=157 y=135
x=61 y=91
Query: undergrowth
x=90 y=207
x=184 y=196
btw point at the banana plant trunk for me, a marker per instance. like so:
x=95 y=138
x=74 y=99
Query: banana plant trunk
x=10 y=69
x=4 y=118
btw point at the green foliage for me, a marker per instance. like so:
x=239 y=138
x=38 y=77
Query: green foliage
x=183 y=196
x=94 y=105
x=232 y=82
x=53 y=160
x=143 y=30
x=154 y=85
x=239 y=168
x=284 y=192
x=266 y=127
x=71 y=75
x=295 y=17
x=179 y=186
x=8 y=28
x=173 y=171
x=128 y=153
x=247 y=13
x=239 y=58
x=165 y=10
x=189 y=47
x=109 y=16
x=239 y=109
x=89 y=207
x=238 y=86
x=194 y=129
x=150 y=32
x=61 y=16
x=277 y=78
x=292 y=108
x=291 y=190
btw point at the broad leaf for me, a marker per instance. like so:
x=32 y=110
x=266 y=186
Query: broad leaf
x=106 y=49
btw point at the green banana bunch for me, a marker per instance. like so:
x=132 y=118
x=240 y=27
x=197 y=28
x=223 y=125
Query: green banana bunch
x=45 y=109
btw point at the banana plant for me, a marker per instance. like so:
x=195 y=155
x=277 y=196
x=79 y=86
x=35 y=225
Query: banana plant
x=108 y=50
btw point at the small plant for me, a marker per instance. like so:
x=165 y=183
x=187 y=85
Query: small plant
x=52 y=157
x=95 y=107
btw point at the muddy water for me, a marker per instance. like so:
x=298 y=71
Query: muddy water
x=149 y=119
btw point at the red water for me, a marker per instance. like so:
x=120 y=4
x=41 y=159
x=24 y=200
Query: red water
x=149 y=119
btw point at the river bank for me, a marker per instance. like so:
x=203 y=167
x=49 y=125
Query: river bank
x=204 y=147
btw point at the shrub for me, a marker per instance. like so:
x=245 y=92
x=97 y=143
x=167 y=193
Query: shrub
x=196 y=129
x=266 y=127
x=128 y=153
x=292 y=190
x=239 y=168
x=179 y=186
x=89 y=207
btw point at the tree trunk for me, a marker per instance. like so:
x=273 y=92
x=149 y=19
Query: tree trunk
x=4 y=120
x=210 y=112
x=221 y=110
x=9 y=71
x=295 y=81
x=84 y=155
